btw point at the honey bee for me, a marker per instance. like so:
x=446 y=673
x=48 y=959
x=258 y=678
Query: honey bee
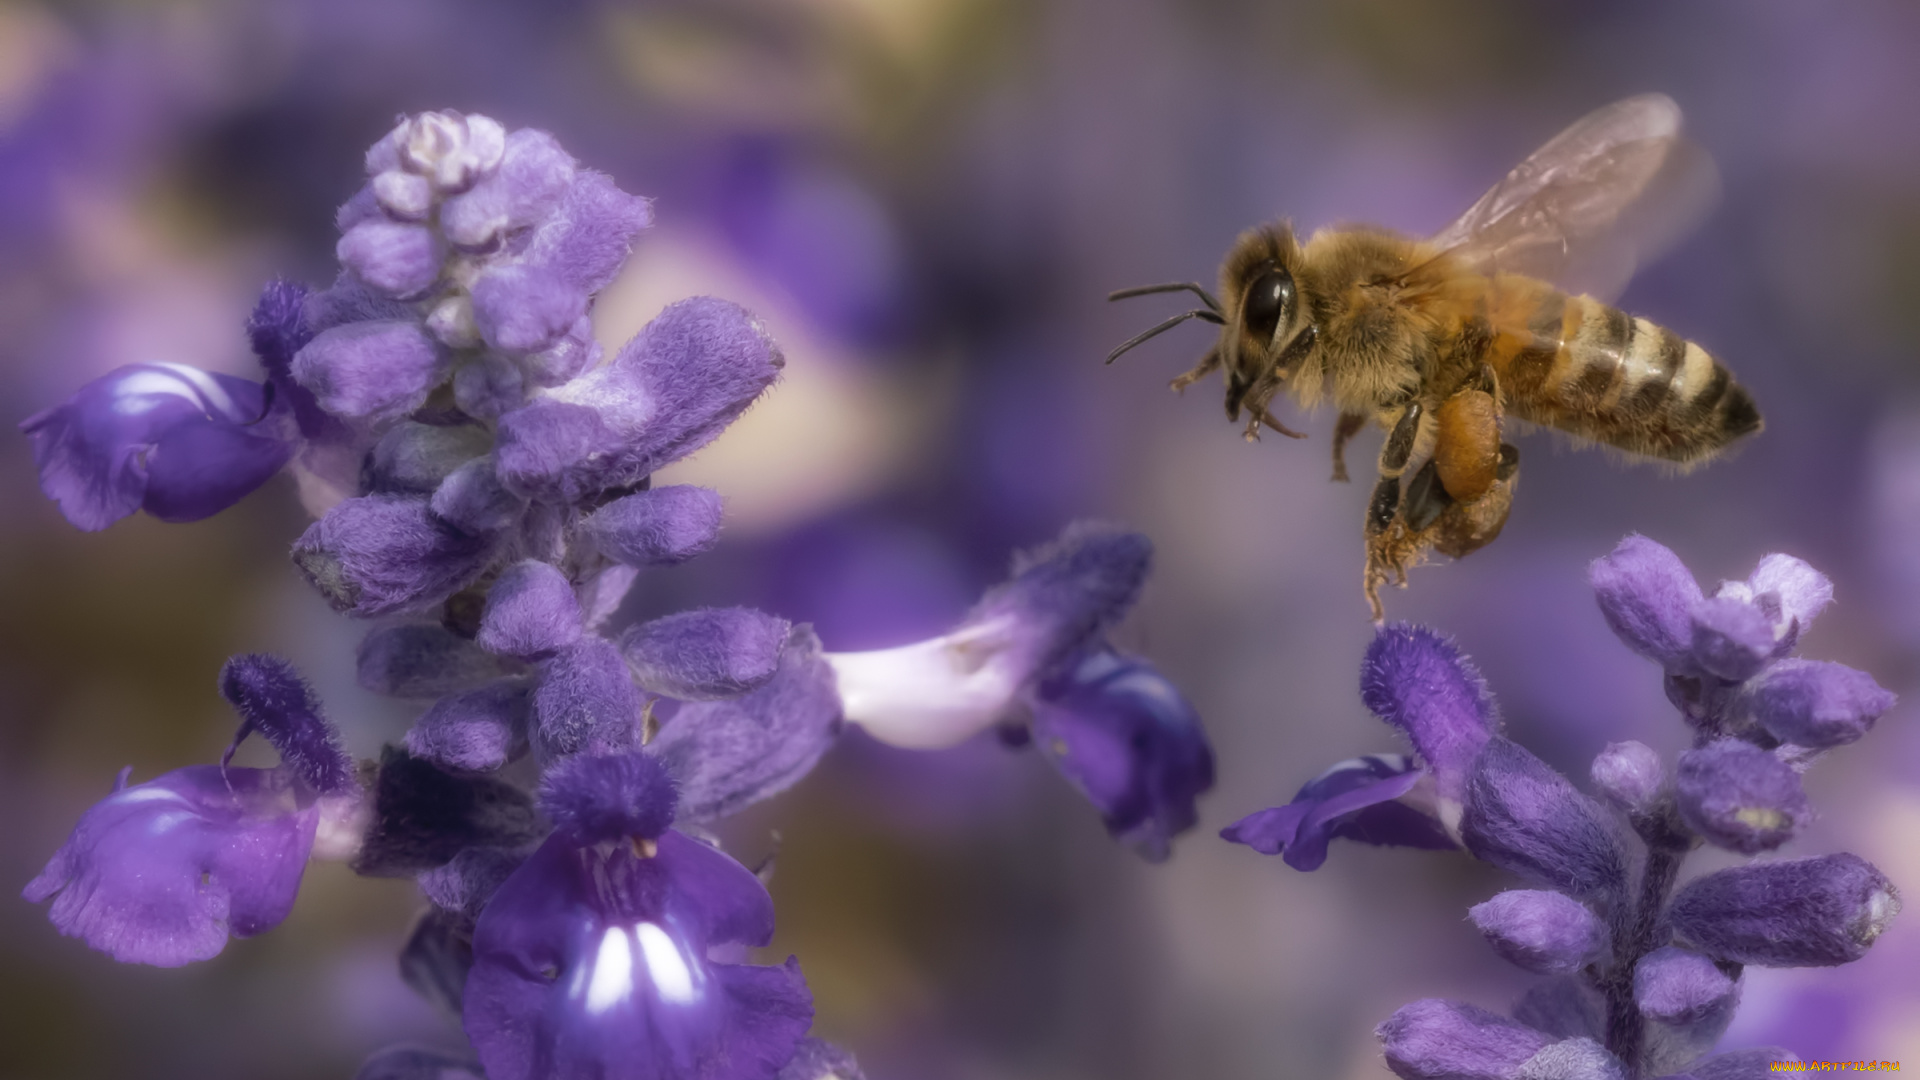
x=1440 y=340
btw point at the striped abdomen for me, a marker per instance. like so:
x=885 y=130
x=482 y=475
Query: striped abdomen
x=1578 y=365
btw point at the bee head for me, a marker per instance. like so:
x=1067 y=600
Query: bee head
x=1263 y=316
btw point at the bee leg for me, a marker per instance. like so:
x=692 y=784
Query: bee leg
x=1257 y=400
x=1391 y=547
x=1467 y=527
x=1208 y=365
x=1403 y=440
x=1426 y=499
x=1349 y=426
x=1467 y=449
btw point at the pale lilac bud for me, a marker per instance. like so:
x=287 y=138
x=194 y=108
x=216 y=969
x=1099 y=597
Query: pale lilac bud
x=1547 y=933
x=398 y=259
x=531 y=612
x=657 y=527
x=1689 y=1001
x=708 y=653
x=1817 y=704
x=377 y=371
x=1446 y=1040
x=1629 y=775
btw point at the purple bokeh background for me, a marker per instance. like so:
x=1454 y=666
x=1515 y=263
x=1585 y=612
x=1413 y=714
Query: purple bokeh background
x=928 y=201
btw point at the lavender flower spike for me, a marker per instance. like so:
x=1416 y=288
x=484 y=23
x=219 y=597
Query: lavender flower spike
x=941 y=692
x=592 y=959
x=178 y=442
x=163 y=872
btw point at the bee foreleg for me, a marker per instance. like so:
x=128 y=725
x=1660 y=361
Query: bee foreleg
x=1257 y=400
x=1349 y=426
x=1208 y=365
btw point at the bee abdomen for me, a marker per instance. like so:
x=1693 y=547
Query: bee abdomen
x=1636 y=385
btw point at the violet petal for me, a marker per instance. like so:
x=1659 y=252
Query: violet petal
x=275 y=701
x=596 y=797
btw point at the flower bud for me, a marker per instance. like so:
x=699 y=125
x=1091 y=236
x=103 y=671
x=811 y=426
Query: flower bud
x=1740 y=797
x=1547 y=933
x=1629 y=775
x=1815 y=912
x=1446 y=1040
x=1522 y=816
x=1816 y=703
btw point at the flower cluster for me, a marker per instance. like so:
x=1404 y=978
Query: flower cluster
x=481 y=476
x=1641 y=979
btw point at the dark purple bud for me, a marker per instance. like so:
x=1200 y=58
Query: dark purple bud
x=423 y=816
x=422 y=661
x=1741 y=1064
x=730 y=754
x=657 y=527
x=1815 y=912
x=818 y=1059
x=1523 y=816
x=180 y=443
x=1547 y=933
x=531 y=612
x=589 y=238
x=275 y=701
x=414 y=1063
x=1433 y=1039
x=1731 y=638
x=474 y=501
x=376 y=371
x=1416 y=680
x=1817 y=704
x=414 y=458
x=399 y=260
x=1647 y=597
x=586 y=702
x=1689 y=1000
x=1740 y=797
x=1358 y=799
x=385 y=553
x=673 y=388
x=706 y=654
x=598 y=961
x=162 y=872
x=1123 y=735
x=597 y=797
x=489 y=386
x=1629 y=775
x=475 y=730
x=523 y=309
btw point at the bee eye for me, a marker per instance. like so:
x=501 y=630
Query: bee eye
x=1267 y=302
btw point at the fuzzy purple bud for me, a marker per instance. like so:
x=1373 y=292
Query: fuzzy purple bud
x=1740 y=797
x=706 y=654
x=1433 y=1039
x=489 y=386
x=275 y=701
x=1647 y=596
x=413 y=458
x=474 y=731
x=593 y=232
x=598 y=797
x=399 y=260
x=1817 y=704
x=1523 y=816
x=1732 y=638
x=523 y=309
x=1815 y=912
x=375 y=371
x=730 y=754
x=473 y=500
x=1547 y=933
x=586 y=702
x=1629 y=775
x=421 y=661
x=658 y=527
x=531 y=612
x=1690 y=1001
x=385 y=553
x=1417 y=681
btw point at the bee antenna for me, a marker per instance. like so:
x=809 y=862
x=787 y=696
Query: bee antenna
x=1156 y=331
x=1171 y=286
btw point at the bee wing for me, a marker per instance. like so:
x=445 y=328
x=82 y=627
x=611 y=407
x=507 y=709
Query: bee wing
x=1584 y=210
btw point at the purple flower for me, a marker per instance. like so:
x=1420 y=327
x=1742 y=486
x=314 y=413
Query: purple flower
x=1375 y=799
x=164 y=872
x=180 y=443
x=1125 y=737
x=941 y=692
x=592 y=959
x=1740 y=797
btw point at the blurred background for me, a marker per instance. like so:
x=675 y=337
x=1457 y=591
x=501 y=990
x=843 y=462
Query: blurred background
x=928 y=201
